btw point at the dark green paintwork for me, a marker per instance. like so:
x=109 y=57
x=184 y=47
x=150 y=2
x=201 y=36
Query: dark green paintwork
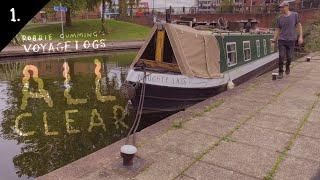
x=225 y=38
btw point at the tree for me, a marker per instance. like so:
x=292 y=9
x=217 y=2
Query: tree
x=91 y=4
x=72 y=5
x=123 y=6
x=226 y=6
x=131 y=4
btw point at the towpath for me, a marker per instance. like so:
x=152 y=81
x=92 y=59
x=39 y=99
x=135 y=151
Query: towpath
x=261 y=129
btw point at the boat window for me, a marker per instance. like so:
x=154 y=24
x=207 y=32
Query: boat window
x=265 y=47
x=231 y=54
x=272 y=46
x=258 y=48
x=246 y=50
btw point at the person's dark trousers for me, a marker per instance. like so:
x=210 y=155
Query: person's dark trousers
x=286 y=50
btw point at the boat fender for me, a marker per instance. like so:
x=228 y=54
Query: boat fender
x=230 y=84
x=127 y=91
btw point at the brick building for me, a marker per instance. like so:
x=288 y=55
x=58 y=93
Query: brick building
x=212 y=5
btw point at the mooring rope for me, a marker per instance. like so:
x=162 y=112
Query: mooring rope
x=141 y=106
x=137 y=119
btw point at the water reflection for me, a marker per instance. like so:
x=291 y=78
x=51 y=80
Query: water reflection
x=59 y=110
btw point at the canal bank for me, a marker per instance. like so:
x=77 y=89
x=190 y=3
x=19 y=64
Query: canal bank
x=23 y=51
x=261 y=129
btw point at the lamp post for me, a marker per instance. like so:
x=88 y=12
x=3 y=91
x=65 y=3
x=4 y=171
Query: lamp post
x=165 y=4
x=153 y=7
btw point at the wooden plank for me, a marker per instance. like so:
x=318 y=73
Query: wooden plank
x=160 y=46
x=167 y=66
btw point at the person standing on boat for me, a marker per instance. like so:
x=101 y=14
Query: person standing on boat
x=286 y=35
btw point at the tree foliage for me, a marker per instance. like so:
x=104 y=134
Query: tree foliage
x=91 y=4
x=73 y=7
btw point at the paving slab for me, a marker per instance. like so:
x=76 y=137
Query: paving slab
x=294 y=168
x=243 y=105
x=311 y=129
x=161 y=165
x=315 y=115
x=167 y=165
x=260 y=88
x=308 y=84
x=275 y=122
x=255 y=96
x=182 y=141
x=250 y=160
x=184 y=177
x=314 y=72
x=299 y=93
x=211 y=126
x=264 y=138
x=286 y=109
x=296 y=103
x=307 y=90
x=229 y=114
x=299 y=72
x=202 y=171
x=317 y=107
x=306 y=147
x=312 y=77
x=273 y=87
x=119 y=172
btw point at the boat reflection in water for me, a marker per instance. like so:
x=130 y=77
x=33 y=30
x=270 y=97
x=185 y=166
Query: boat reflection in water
x=56 y=111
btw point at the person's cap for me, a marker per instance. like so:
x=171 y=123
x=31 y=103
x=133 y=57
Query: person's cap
x=284 y=3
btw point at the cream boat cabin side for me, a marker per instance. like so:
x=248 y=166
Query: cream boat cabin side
x=184 y=66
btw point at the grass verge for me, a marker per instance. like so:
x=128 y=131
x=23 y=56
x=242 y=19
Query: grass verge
x=118 y=30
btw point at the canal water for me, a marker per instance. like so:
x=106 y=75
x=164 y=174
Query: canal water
x=54 y=111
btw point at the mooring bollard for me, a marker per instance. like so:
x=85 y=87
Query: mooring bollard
x=127 y=153
x=308 y=59
x=274 y=76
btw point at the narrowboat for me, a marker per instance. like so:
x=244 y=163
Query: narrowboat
x=183 y=66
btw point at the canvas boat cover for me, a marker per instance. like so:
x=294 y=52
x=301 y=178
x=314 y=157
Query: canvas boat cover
x=197 y=52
